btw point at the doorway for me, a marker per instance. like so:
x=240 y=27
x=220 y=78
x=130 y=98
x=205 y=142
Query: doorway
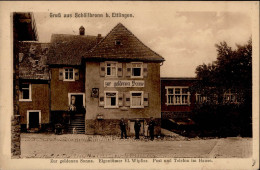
x=77 y=100
x=33 y=119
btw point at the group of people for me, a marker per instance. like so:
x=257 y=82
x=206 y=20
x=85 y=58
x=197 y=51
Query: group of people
x=148 y=128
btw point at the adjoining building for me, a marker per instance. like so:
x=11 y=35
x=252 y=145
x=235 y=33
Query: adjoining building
x=68 y=78
x=24 y=29
x=177 y=101
x=34 y=89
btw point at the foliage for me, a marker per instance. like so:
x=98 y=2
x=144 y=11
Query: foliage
x=232 y=70
x=222 y=120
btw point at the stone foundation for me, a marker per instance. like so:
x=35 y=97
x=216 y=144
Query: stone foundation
x=111 y=127
x=15 y=136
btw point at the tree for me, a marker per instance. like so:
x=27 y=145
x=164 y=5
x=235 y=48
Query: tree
x=231 y=71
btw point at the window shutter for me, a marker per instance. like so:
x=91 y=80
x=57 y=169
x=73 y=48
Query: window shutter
x=60 y=73
x=127 y=99
x=76 y=74
x=189 y=98
x=145 y=70
x=128 y=69
x=120 y=99
x=101 y=99
x=102 y=69
x=119 y=69
x=146 y=100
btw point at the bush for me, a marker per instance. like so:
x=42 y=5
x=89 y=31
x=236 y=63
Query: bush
x=223 y=120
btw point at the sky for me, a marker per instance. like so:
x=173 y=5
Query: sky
x=185 y=39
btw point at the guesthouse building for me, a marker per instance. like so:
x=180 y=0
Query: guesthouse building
x=122 y=81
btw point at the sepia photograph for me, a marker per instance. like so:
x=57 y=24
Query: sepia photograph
x=117 y=84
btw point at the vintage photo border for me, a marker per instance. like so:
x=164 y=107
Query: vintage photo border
x=6 y=77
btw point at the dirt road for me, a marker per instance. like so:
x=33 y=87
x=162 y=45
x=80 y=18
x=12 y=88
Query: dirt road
x=89 y=146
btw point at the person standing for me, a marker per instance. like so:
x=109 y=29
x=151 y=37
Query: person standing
x=151 y=128
x=137 y=127
x=123 y=128
x=146 y=129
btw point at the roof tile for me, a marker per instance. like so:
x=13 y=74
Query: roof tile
x=129 y=48
x=32 y=60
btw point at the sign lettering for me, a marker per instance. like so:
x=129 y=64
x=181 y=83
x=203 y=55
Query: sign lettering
x=123 y=83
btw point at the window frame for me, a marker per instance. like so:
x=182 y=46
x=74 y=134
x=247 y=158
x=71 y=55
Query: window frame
x=64 y=76
x=111 y=62
x=174 y=94
x=105 y=100
x=30 y=94
x=142 y=99
x=141 y=69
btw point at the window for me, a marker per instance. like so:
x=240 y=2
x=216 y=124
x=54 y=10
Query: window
x=230 y=97
x=201 y=99
x=137 y=70
x=25 y=92
x=68 y=74
x=136 y=99
x=111 y=69
x=111 y=99
x=177 y=96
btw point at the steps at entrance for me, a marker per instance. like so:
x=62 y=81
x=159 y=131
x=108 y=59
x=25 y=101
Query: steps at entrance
x=78 y=122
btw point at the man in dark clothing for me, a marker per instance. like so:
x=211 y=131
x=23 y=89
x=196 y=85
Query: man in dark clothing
x=137 y=127
x=123 y=128
x=151 y=128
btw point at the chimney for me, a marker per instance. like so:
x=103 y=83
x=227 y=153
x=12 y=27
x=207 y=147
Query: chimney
x=81 y=30
x=99 y=38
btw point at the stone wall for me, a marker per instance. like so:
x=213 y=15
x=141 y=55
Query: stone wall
x=15 y=136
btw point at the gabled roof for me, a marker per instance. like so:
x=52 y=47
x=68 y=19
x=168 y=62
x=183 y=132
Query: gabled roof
x=32 y=61
x=129 y=47
x=68 y=49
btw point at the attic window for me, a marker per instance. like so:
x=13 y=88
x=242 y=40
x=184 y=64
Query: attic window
x=118 y=42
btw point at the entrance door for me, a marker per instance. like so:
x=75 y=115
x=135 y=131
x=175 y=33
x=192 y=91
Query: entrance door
x=34 y=120
x=77 y=99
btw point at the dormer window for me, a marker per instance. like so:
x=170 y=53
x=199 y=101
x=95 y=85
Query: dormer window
x=118 y=42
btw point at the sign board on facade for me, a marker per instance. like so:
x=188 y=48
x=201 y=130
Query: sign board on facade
x=123 y=83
